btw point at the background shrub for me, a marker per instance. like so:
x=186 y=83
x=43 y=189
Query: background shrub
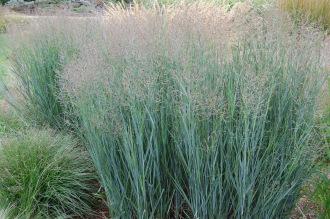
x=45 y=176
x=3 y=2
x=187 y=121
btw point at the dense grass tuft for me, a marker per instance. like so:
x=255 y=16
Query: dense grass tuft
x=37 y=66
x=45 y=176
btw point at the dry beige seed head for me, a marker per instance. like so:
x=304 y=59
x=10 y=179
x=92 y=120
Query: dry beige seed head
x=137 y=53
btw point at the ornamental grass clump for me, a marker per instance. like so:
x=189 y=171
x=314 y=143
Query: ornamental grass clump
x=37 y=67
x=188 y=113
x=44 y=175
x=37 y=63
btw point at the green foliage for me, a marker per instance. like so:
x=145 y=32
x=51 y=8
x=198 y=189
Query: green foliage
x=3 y=2
x=9 y=123
x=37 y=67
x=187 y=135
x=3 y=25
x=4 y=212
x=45 y=176
x=82 y=9
x=325 y=128
x=322 y=196
x=327 y=124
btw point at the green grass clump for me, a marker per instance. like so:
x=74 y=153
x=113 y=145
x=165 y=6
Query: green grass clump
x=45 y=176
x=183 y=128
x=321 y=196
x=10 y=123
x=321 y=193
x=37 y=66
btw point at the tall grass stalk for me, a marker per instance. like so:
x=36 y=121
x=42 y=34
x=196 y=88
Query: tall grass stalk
x=37 y=69
x=37 y=64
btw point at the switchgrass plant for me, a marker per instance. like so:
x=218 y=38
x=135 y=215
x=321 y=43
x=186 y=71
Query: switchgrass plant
x=36 y=64
x=190 y=115
x=42 y=48
x=36 y=68
x=44 y=175
x=315 y=10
